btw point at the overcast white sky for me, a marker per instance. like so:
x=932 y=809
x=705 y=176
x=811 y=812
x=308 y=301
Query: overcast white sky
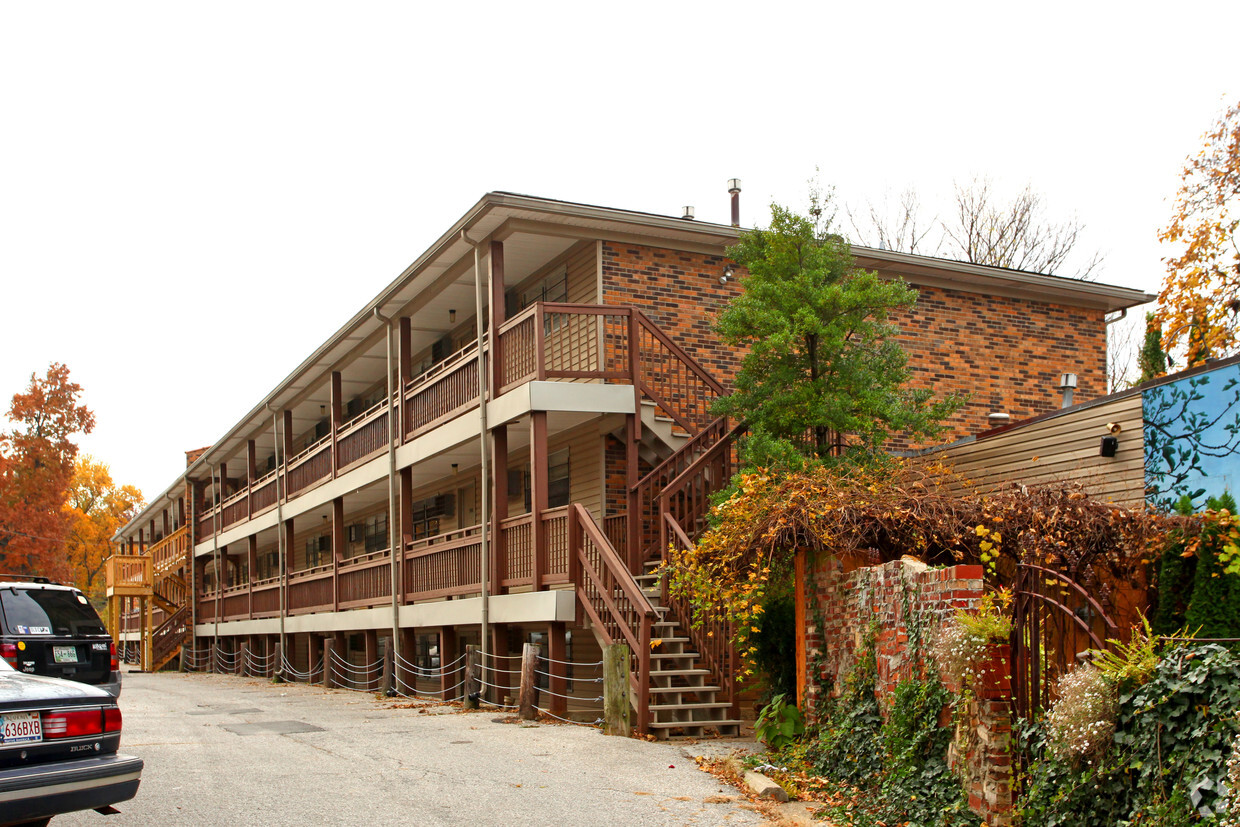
x=194 y=196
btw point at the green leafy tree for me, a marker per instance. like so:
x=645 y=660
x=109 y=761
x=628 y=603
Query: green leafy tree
x=1152 y=360
x=824 y=375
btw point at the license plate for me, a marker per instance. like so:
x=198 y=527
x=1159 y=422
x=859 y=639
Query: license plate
x=20 y=728
x=65 y=654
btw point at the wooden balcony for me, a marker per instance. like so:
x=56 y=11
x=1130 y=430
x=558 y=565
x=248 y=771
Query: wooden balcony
x=129 y=575
x=556 y=342
x=445 y=565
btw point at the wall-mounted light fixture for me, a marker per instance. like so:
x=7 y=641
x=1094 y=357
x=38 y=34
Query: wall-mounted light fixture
x=729 y=274
x=322 y=410
x=451 y=316
x=454 y=468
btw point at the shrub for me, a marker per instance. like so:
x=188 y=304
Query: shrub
x=1082 y=722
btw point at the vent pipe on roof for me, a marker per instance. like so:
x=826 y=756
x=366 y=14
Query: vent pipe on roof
x=1067 y=384
x=688 y=216
x=734 y=187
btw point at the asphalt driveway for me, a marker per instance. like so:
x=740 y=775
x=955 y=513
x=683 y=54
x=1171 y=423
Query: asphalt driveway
x=223 y=750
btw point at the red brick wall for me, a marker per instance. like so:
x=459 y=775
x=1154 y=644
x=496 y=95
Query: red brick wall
x=848 y=601
x=1006 y=353
x=680 y=292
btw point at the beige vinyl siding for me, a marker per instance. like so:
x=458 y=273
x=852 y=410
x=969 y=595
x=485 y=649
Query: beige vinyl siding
x=582 y=274
x=585 y=468
x=1063 y=448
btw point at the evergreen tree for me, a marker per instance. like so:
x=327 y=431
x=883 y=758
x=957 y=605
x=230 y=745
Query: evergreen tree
x=822 y=363
x=1152 y=360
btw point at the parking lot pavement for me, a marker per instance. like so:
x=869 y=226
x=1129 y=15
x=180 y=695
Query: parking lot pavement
x=223 y=750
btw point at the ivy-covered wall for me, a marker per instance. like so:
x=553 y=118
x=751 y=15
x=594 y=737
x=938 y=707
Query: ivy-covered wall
x=902 y=603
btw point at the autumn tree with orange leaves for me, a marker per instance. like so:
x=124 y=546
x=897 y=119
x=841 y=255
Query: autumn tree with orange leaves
x=36 y=467
x=1200 y=299
x=96 y=507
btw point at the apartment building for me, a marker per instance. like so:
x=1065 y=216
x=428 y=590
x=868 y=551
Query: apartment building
x=370 y=504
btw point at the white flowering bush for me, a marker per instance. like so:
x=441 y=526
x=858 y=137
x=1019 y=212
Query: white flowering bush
x=1082 y=722
x=958 y=653
x=1231 y=810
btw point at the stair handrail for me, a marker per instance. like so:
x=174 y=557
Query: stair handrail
x=168 y=636
x=601 y=593
x=677 y=484
x=691 y=363
x=712 y=638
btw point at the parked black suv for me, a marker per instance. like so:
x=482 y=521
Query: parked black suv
x=50 y=629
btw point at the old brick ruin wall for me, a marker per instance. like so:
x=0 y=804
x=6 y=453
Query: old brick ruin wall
x=843 y=605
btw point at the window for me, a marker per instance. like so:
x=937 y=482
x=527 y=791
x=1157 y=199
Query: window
x=317 y=551
x=557 y=479
x=426 y=513
x=550 y=288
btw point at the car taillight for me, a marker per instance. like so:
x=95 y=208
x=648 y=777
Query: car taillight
x=112 y=719
x=116 y=666
x=8 y=651
x=75 y=723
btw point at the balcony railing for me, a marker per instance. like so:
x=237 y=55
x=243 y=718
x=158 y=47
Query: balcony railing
x=546 y=341
x=128 y=574
x=448 y=564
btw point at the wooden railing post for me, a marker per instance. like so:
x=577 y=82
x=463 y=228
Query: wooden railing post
x=575 y=550
x=540 y=356
x=472 y=688
x=527 y=704
x=388 y=683
x=616 y=708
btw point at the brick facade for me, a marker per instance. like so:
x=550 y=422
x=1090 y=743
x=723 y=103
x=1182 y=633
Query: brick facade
x=1006 y=354
x=848 y=601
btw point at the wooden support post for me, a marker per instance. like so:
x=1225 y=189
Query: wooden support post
x=499 y=311
x=556 y=667
x=499 y=500
x=277 y=668
x=538 y=494
x=616 y=708
x=243 y=658
x=251 y=568
x=636 y=519
x=406 y=536
x=371 y=656
x=338 y=539
x=472 y=688
x=406 y=679
x=387 y=684
x=800 y=587
x=527 y=704
x=336 y=413
x=447 y=662
x=329 y=656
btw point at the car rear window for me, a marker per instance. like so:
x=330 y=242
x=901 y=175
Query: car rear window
x=48 y=612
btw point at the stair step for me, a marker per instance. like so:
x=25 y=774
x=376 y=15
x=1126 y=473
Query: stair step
x=696 y=727
x=675 y=640
x=703 y=705
x=677 y=673
x=667 y=690
x=654 y=655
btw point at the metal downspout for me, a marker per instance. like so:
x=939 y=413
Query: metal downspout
x=393 y=518
x=275 y=435
x=215 y=542
x=483 y=433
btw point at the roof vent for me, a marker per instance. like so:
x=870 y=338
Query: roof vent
x=998 y=419
x=734 y=188
x=688 y=216
x=1067 y=384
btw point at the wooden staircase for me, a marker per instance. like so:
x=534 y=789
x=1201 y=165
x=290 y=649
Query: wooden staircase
x=686 y=698
x=156 y=578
